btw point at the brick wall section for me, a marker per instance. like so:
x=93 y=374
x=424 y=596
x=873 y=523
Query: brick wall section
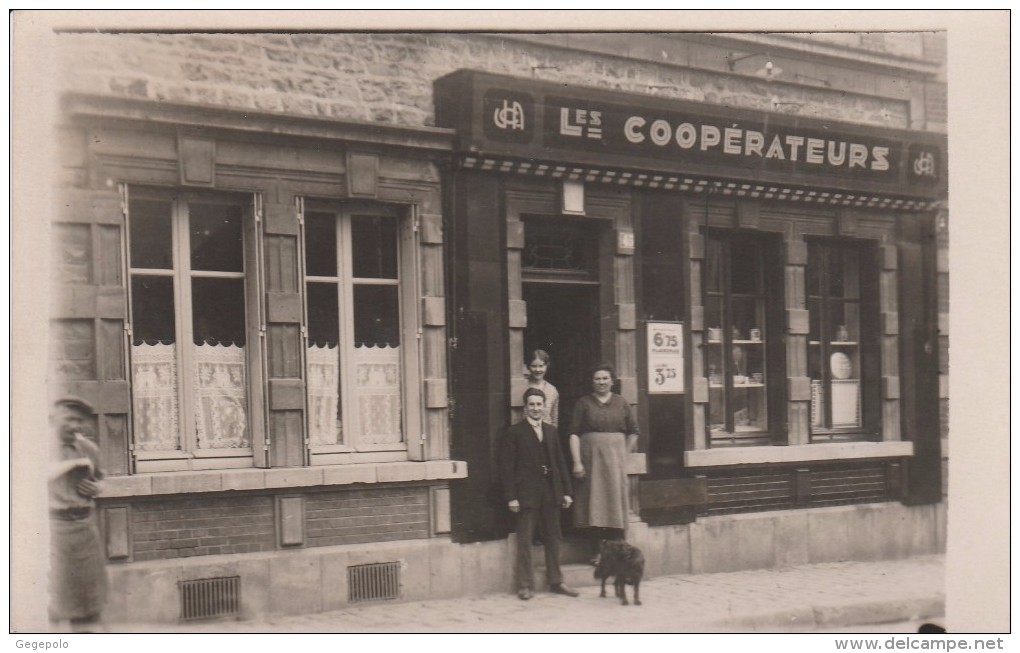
x=388 y=77
x=179 y=528
x=353 y=517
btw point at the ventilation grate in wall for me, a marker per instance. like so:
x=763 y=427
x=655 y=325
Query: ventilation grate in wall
x=373 y=582
x=208 y=598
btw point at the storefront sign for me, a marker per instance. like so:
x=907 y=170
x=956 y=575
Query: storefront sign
x=665 y=358
x=537 y=120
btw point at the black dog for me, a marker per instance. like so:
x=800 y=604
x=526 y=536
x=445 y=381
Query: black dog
x=625 y=563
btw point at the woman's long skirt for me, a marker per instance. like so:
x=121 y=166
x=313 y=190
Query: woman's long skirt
x=602 y=498
x=77 y=569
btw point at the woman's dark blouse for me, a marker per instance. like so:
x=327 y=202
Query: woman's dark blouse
x=614 y=416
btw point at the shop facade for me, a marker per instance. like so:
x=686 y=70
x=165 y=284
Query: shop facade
x=761 y=284
x=298 y=281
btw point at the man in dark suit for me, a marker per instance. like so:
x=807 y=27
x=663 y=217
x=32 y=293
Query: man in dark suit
x=535 y=485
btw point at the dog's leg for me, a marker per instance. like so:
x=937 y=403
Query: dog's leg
x=621 y=591
x=603 y=594
x=637 y=584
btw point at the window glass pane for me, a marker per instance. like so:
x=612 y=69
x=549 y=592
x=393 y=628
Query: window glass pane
x=834 y=360
x=748 y=361
x=712 y=270
x=154 y=372
x=151 y=236
x=220 y=403
x=376 y=316
x=152 y=310
x=713 y=318
x=323 y=314
x=814 y=320
x=812 y=276
x=325 y=410
x=374 y=247
x=320 y=244
x=815 y=361
x=851 y=274
x=745 y=266
x=218 y=311
x=735 y=340
x=834 y=267
x=844 y=321
x=217 y=243
x=747 y=318
x=559 y=247
x=748 y=406
x=716 y=410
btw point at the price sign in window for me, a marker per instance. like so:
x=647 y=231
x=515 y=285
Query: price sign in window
x=665 y=358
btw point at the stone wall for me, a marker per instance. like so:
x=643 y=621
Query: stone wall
x=388 y=77
x=315 y=579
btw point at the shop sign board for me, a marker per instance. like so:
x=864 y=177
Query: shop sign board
x=665 y=358
x=528 y=119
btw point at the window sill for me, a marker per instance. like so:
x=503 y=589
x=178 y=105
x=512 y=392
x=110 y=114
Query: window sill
x=797 y=453
x=283 y=477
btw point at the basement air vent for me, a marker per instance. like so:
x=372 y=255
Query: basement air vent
x=373 y=582
x=208 y=598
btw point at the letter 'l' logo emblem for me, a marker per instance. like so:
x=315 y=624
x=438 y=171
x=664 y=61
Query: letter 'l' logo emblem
x=509 y=116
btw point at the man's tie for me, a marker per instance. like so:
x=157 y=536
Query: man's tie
x=538 y=429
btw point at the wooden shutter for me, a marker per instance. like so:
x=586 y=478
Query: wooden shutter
x=89 y=314
x=284 y=342
x=256 y=321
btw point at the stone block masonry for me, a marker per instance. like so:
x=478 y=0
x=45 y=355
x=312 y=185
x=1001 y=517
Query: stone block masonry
x=388 y=77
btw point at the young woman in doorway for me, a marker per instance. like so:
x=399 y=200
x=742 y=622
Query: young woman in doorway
x=538 y=365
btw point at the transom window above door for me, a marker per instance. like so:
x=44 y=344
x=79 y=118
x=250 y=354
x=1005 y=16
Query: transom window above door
x=559 y=249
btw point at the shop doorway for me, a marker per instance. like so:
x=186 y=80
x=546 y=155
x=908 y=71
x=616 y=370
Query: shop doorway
x=563 y=319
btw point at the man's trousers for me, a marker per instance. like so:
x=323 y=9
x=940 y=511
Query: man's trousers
x=545 y=517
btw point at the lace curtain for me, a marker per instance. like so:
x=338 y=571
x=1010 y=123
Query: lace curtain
x=324 y=424
x=377 y=393
x=154 y=384
x=220 y=397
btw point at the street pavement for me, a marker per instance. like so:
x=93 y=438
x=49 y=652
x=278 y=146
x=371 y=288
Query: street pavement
x=827 y=597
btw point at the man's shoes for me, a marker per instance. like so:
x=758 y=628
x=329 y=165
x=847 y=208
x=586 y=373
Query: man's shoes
x=560 y=588
x=524 y=593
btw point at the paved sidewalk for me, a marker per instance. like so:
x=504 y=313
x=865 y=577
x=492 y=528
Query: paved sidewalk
x=796 y=599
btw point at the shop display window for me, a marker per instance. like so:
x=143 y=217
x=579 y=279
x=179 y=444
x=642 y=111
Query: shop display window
x=738 y=329
x=838 y=350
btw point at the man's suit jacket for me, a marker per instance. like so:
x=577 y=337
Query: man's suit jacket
x=521 y=461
